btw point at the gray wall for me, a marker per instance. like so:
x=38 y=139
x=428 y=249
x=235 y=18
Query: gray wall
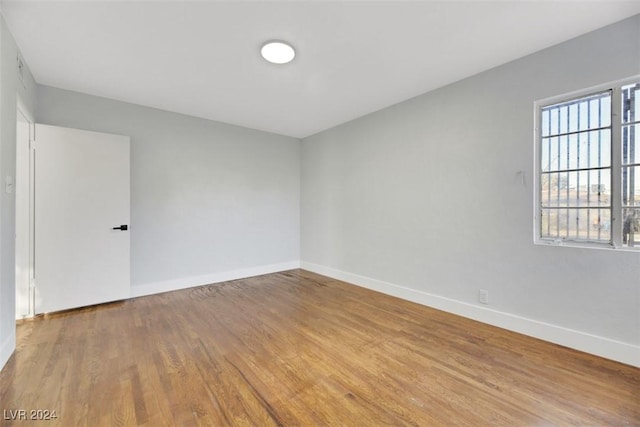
x=11 y=88
x=427 y=196
x=206 y=198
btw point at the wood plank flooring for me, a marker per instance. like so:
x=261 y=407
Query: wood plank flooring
x=299 y=349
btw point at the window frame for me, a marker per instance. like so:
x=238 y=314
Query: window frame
x=615 y=241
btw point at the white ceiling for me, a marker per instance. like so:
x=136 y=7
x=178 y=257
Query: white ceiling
x=202 y=58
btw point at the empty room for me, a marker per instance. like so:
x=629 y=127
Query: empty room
x=320 y=213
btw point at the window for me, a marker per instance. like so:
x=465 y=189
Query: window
x=588 y=168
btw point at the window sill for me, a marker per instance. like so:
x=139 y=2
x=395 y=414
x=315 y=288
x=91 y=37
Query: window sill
x=585 y=245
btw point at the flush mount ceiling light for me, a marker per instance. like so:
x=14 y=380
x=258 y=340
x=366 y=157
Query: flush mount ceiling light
x=278 y=52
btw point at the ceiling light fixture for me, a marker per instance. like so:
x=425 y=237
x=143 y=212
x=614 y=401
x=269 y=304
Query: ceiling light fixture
x=278 y=52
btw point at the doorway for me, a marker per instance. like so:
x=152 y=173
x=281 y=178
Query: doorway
x=24 y=193
x=72 y=209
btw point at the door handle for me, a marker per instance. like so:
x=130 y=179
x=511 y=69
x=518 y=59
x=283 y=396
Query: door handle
x=123 y=227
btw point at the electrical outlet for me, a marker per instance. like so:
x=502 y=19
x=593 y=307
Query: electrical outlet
x=483 y=296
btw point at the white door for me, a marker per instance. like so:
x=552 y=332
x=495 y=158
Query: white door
x=81 y=201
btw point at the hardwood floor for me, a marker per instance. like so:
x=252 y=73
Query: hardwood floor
x=296 y=348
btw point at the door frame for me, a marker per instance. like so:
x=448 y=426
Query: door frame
x=29 y=239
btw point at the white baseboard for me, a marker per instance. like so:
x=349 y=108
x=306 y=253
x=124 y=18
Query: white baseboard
x=190 y=282
x=593 y=344
x=6 y=348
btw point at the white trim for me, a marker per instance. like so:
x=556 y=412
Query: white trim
x=28 y=116
x=565 y=97
x=190 y=282
x=7 y=348
x=617 y=217
x=593 y=344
